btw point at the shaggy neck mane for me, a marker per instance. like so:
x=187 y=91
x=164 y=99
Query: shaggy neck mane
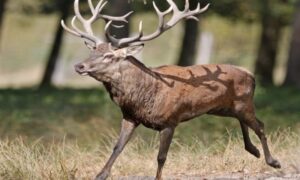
x=131 y=89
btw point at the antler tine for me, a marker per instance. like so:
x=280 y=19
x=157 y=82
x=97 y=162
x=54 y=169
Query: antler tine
x=101 y=6
x=187 y=6
x=87 y=24
x=62 y=22
x=199 y=10
x=112 y=18
x=173 y=5
x=87 y=32
x=77 y=11
x=140 y=37
x=97 y=10
x=162 y=26
x=110 y=38
x=161 y=14
x=177 y=16
x=91 y=6
x=83 y=34
x=124 y=41
x=107 y=33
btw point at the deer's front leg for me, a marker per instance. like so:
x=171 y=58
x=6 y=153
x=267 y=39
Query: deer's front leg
x=126 y=132
x=166 y=136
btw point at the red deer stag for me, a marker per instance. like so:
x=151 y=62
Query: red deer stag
x=161 y=98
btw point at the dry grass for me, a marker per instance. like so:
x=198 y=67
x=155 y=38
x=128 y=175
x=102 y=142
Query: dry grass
x=66 y=160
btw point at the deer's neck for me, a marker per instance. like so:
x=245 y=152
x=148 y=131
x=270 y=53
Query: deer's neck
x=135 y=87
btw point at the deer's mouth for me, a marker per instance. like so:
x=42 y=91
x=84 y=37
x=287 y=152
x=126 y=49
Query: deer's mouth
x=84 y=74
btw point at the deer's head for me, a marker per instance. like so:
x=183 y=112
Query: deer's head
x=106 y=57
x=105 y=62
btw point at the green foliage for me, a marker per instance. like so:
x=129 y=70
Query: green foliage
x=247 y=10
x=253 y=10
x=34 y=7
x=24 y=6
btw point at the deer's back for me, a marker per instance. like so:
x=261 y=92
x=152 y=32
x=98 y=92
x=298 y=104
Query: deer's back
x=195 y=90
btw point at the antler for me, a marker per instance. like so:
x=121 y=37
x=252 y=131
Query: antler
x=162 y=26
x=87 y=23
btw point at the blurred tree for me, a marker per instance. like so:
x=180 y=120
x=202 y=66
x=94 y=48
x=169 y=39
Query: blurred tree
x=273 y=15
x=293 y=67
x=2 y=11
x=56 y=47
x=269 y=41
x=190 y=40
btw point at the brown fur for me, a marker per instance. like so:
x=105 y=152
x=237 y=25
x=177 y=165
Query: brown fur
x=168 y=95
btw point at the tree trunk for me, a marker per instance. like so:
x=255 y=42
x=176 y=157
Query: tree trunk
x=293 y=67
x=56 y=47
x=190 y=40
x=2 y=11
x=120 y=8
x=269 y=41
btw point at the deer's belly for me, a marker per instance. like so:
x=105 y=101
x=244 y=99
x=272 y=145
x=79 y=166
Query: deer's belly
x=162 y=120
x=168 y=117
x=169 y=110
x=156 y=120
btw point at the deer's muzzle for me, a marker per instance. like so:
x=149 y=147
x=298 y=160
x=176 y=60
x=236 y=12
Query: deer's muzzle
x=82 y=68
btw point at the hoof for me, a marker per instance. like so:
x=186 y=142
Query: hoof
x=274 y=163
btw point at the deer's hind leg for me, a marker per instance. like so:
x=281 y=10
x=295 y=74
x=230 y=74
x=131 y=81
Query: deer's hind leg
x=248 y=118
x=229 y=112
x=247 y=141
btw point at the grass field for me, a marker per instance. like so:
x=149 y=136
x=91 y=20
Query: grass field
x=67 y=160
x=69 y=134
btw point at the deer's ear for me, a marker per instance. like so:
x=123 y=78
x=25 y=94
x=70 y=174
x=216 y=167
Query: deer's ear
x=133 y=50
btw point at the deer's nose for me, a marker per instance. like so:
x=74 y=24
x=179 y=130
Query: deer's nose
x=81 y=67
